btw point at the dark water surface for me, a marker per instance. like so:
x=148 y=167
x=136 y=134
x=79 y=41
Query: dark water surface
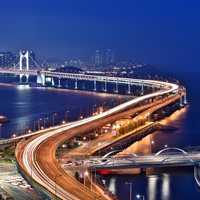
x=29 y=107
x=176 y=183
x=24 y=106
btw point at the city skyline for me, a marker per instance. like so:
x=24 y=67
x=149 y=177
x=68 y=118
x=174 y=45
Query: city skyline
x=149 y=32
x=99 y=100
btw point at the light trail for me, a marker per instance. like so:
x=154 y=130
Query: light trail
x=29 y=155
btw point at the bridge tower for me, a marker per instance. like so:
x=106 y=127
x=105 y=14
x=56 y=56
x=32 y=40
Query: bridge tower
x=24 y=55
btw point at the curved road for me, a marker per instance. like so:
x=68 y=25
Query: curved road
x=36 y=157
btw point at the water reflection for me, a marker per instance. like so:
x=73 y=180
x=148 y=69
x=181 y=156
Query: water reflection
x=165 y=187
x=152 y=187
x=152 y=143
x=24 y=107
x=112 y=185
x=158 y=185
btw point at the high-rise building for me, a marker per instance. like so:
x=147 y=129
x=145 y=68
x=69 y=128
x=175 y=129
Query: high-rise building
x=98 y=58
x=73 y=63
x=108 y=57
x=103 y=57
x=7 y=59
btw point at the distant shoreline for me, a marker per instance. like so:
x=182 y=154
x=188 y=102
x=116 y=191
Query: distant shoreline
x=8 y=84
x=70 y=90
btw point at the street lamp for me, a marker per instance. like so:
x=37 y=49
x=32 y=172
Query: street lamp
x=140 y=196
x=39 y=123
x=54 y=115
x=66 y=115
x=45 y=122
x=130 y=189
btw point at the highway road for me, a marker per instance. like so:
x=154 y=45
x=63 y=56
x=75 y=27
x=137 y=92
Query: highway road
x=36 y=157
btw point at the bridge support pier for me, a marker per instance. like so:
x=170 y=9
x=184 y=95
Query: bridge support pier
x=105 y=86
x=116 y=87
x=27 y=78
x=142 y=89
x=21 y=76
x=59 y=83
x=76 y=84
x=129 y=88
x=95 y=85
x=185 y=99
x=41 y=79
x=52 y=82
x=181 y=101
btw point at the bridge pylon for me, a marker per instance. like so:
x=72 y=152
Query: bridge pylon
x=24 y=55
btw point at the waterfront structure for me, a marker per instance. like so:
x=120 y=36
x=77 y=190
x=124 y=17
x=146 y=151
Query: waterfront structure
x=36 y=158
x=48 y=168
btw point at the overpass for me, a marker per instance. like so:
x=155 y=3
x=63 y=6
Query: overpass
x=36 y=157
x=168 y=157
x=15 y=139
x=43 y=76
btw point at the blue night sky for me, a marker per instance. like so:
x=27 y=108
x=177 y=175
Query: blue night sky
x=165 y=33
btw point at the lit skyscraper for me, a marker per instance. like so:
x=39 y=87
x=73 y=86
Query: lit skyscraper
x=103 y=57
x=108 y=57
x=98 y=58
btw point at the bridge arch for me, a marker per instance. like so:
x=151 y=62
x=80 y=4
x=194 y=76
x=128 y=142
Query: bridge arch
x=111 y=153
x=117 y=151
x=184 y=156
x=171 y=149
x=197 y=174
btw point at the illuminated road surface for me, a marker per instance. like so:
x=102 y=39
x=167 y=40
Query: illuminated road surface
x=37 y=157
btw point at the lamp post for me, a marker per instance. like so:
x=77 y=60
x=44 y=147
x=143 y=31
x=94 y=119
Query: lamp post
x=66 y=115
x=53 y=118
x=39 y=123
